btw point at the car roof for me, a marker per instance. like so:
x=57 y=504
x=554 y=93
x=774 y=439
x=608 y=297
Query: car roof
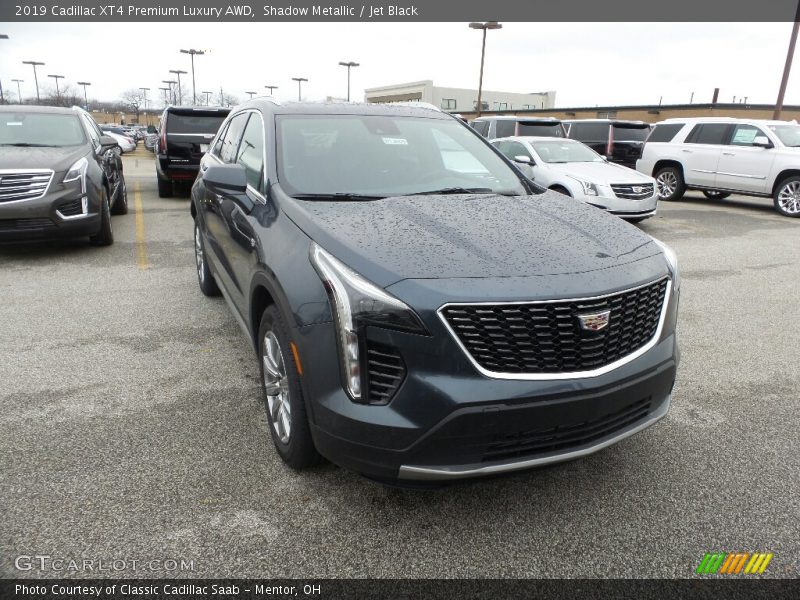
x=612 y=121
x=189 y=109
x=723 y=120
x=33 y=108
x=411 y=109
x=536 y=138
x=553 y=120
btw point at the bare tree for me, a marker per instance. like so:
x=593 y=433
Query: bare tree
x=65 y=95
x=133 y=99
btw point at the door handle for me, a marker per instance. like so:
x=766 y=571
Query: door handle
x=687 y=151
x=728 y=154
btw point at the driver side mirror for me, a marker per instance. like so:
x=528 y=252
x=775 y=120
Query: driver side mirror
x=525 y=164
x=107 y=142
x=523 y=160
x=230 y=178
x=762 y=141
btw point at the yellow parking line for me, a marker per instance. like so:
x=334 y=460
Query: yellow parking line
x=141 y=243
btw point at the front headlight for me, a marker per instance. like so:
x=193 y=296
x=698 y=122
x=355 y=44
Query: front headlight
x=358 y=303
x=672 y=261
x=77 y=170
x=589 y=189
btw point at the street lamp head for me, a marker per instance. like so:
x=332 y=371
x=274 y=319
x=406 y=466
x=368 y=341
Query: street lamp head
x=486 y=25
x=193 y=51
x=349 y=64
x=32 y=62
x=84 y=83
x=299 y=79
x=178 y=71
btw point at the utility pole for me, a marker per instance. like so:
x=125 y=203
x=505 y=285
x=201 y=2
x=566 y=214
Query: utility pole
x=58 y=93
x=178 y=72
x=787 y=68
x=270 y=88
x=19 y=92
x=349 y=65
x=484 y=27
x=85 y=97
x=166 y=91
x=251 y=95
x=193 y=52
x=299 y=81
x=170 y=83
x=144 y=94
x=34 y=64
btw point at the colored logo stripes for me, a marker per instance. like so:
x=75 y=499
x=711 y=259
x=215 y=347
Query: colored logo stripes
x=734 y=563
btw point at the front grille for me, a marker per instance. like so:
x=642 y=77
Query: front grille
x=71 y=208
x=25 y=224
x=563 y=437
x=629 y=190
x=24 y=186
x=547 y=338
x=385 y=372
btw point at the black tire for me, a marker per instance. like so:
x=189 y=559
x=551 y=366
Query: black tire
x=120 y=206
x=787 y=197
x=104 y=237
x=715 y=195
x=164 y=188
x=561 y=190
x=637 y=219
x=208 y=285
x=670 y=183
x=297 y=447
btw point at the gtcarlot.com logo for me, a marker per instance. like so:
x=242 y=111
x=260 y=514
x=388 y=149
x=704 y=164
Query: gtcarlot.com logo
x=734 y=563
x=44 y=562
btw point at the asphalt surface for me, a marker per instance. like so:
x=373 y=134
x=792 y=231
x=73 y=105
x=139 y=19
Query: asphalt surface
x=132 y=428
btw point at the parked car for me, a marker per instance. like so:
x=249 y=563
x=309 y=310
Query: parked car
x=619 y=141
x=722 y=156
x=574 y=169
x=126 y=144
x=150 y=141
x=184 y=135
x=415 y=317
x=60 y=176
x=506 y=126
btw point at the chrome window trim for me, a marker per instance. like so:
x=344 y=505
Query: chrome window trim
x=572 y=374
x=49 y=172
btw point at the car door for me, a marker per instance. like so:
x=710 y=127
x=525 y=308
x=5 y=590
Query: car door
x=236 y=208
x=701 y=152
x=107 y=159
x=216 y=228
x=743 y=165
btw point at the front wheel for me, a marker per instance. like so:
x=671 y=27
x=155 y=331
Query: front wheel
x=787 y=197
x=715 y=195
x=208 y=285
x=104 y=237
x=670 y=184
x=283 y=397
x=121 y=200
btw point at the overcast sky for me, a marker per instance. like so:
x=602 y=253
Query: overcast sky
x=587 y=64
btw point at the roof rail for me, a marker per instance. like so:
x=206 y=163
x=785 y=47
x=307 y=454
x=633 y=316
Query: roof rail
x=416 y=104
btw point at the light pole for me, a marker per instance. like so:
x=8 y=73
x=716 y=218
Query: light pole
x=85 y=97
x=3 y=36
x=19 y=91
x=251 y=95
x=193 y=52
x=170 y=83
x=178 y=72
x=144 y=94
x=270 y=88
x=166 y=91
x=484 y=27
x=788 y=66
x=299 y=81
x=208 y=96
x=349 y=65
x=58 y=92
x=34 y=64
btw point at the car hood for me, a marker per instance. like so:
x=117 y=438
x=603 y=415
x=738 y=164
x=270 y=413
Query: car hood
x=58 y=159
x=602 y=173
x=470 y=235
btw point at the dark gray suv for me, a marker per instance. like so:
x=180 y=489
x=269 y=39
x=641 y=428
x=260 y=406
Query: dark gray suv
x=420 y=311
x=59 y=175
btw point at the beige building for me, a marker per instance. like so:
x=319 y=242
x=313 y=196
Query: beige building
x=459 y=100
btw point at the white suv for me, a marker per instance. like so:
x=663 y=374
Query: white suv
x=723 y=156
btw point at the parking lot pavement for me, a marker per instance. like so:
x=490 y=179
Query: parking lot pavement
x=131 y=427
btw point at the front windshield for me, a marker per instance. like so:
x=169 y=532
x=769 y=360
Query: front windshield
x=382 y=156
x=788 y=134
x=40 y=129
x=565 y=152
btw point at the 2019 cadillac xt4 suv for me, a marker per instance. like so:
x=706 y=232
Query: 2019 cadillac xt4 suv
x=420 y=310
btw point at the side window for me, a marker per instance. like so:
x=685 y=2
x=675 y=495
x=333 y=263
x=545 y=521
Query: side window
x=744 y=135
x=481 y=127
x=505 y=128
x=664 y=133
x=93 y=130
x=230 y=142
x=217 y=148
x=511 y=149
x=709 y=133
x=251 y=152
x=589 y=132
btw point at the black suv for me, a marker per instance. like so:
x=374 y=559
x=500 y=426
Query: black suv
x=420 y=311
x=620 y=142
x=183 y=137
x=59 y=175
x=507 y=126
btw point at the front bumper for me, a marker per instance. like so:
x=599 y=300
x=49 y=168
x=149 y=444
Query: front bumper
x=624 y=207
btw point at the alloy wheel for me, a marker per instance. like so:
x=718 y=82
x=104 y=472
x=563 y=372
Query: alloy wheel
x=789 y=198
x=277 y=386
x=667 y=184
x=198 y=255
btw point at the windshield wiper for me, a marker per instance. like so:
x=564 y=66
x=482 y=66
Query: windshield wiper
x=453 y=190
x=27 y=145
x=343 y=196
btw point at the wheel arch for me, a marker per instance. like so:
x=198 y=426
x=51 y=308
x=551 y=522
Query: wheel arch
x=783 y=176
x=667 y=162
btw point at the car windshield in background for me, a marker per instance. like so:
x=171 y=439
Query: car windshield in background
x=195 y=122
x=40 y=129
x=380 y=156
x=630 y=134
x=789 y=135
x=565 y=152
x=540 y=129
